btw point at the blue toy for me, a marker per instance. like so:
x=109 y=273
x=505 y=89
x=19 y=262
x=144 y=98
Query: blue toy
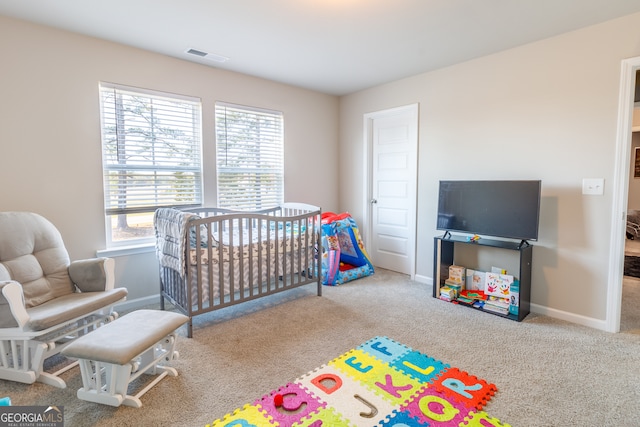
x=343 y=255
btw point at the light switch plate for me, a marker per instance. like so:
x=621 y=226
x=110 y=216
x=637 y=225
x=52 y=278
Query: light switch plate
x=593 y=186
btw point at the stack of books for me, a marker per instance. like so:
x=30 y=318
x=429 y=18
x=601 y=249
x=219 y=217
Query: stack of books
x=454 y=283
x=497 y=305
x=471 y=297
x=447 y=293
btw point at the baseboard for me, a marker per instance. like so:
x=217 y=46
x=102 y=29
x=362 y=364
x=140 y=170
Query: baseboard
x=137 y=303
x=570 y=317
x=551 y=312
x=423 y=279
x=535 y=308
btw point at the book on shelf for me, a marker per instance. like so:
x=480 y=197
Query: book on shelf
x=472 y=294
x=498 y=301
x=468 y=280
x=495 y=309
x=458 y=287
x=477 y=281
x=469 y=297
x=514 y=297
x=457 y=274
x=464 y=300
x=448 y=293
x=498 y=284
x=497 y=304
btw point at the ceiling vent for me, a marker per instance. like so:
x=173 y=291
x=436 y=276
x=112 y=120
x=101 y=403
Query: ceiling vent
x=206 y=55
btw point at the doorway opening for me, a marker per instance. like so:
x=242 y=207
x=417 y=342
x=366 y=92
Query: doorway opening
x=621 y=191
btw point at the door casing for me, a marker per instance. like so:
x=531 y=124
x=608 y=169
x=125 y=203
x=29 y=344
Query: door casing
x=368 y=192
x=620 y=192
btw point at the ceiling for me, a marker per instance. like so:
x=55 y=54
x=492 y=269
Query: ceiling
x=332 y=46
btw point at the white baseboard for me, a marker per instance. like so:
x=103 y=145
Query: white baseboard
x=423 y=279
x=535 y=308
x=137 y=303
x=570 y=317
x=546 y=311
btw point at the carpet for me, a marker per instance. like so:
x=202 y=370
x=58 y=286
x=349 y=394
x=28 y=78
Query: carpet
x=631 y=266
x=379 y=383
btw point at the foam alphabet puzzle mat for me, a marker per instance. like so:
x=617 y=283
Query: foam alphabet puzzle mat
x=381 y=383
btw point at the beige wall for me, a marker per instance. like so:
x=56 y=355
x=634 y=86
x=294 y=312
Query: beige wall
x=548 y=111
x=50 y=148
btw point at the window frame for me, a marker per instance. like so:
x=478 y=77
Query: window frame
x=273 y=151
x=192 y=151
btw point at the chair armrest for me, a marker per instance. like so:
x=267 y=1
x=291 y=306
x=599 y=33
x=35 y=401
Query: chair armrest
x=11 y=295
x=93 y=275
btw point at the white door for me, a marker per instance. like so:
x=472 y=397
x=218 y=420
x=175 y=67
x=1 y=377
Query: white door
x=392 y=141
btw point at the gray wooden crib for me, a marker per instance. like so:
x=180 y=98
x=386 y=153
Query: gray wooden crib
x=211 y=258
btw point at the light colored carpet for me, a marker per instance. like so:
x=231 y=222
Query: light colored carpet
x=630 y=311
x=548 y=372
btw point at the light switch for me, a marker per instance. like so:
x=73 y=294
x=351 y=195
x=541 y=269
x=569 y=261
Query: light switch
x=593 y=186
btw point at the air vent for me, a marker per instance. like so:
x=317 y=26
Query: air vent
x=210 y=56
x=197 y=52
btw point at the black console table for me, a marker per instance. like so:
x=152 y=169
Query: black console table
x=444 y=257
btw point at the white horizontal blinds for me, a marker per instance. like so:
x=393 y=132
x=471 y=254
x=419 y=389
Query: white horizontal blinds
x=151 y=150
x=250 y=151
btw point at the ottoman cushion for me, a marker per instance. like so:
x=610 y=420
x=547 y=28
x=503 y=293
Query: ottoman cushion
x=125 y=338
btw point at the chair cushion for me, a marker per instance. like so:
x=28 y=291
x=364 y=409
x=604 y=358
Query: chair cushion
x=67 y=307
x=32 y=253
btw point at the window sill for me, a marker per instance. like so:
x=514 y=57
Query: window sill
x=126 y=250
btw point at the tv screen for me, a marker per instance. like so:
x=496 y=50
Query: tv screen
x=508 y=209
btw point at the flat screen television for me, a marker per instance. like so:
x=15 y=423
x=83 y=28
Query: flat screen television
x=508 y=209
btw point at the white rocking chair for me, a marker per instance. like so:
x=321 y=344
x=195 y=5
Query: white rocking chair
x=46 y=301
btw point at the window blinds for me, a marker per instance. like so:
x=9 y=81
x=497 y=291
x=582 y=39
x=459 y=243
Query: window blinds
x=250 y=163
x=151 y=145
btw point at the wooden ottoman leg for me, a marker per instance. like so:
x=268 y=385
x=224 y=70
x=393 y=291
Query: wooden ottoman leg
x=149 y=363
x=104 y=382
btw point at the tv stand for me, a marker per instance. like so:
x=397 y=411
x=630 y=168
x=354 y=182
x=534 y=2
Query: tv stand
x=444 y=257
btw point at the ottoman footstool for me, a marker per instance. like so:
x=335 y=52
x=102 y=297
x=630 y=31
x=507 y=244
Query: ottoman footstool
x=116 y=354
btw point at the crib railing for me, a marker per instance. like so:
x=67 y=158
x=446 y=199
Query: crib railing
x=232 y=257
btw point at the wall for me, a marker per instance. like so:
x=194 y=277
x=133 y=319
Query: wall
x=548 y=111
x=50 y=147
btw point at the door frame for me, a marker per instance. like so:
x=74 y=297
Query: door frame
x=620 y=192
x=368 y=174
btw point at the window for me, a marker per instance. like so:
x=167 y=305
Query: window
x=249 y=157
x=151 y=150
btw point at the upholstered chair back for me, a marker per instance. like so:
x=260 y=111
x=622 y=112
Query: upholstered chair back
x=32 y=253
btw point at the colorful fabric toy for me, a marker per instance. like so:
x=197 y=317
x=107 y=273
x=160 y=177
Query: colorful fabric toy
x=344 y=257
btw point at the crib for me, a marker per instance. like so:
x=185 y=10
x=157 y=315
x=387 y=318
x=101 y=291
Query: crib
x=212 y=258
